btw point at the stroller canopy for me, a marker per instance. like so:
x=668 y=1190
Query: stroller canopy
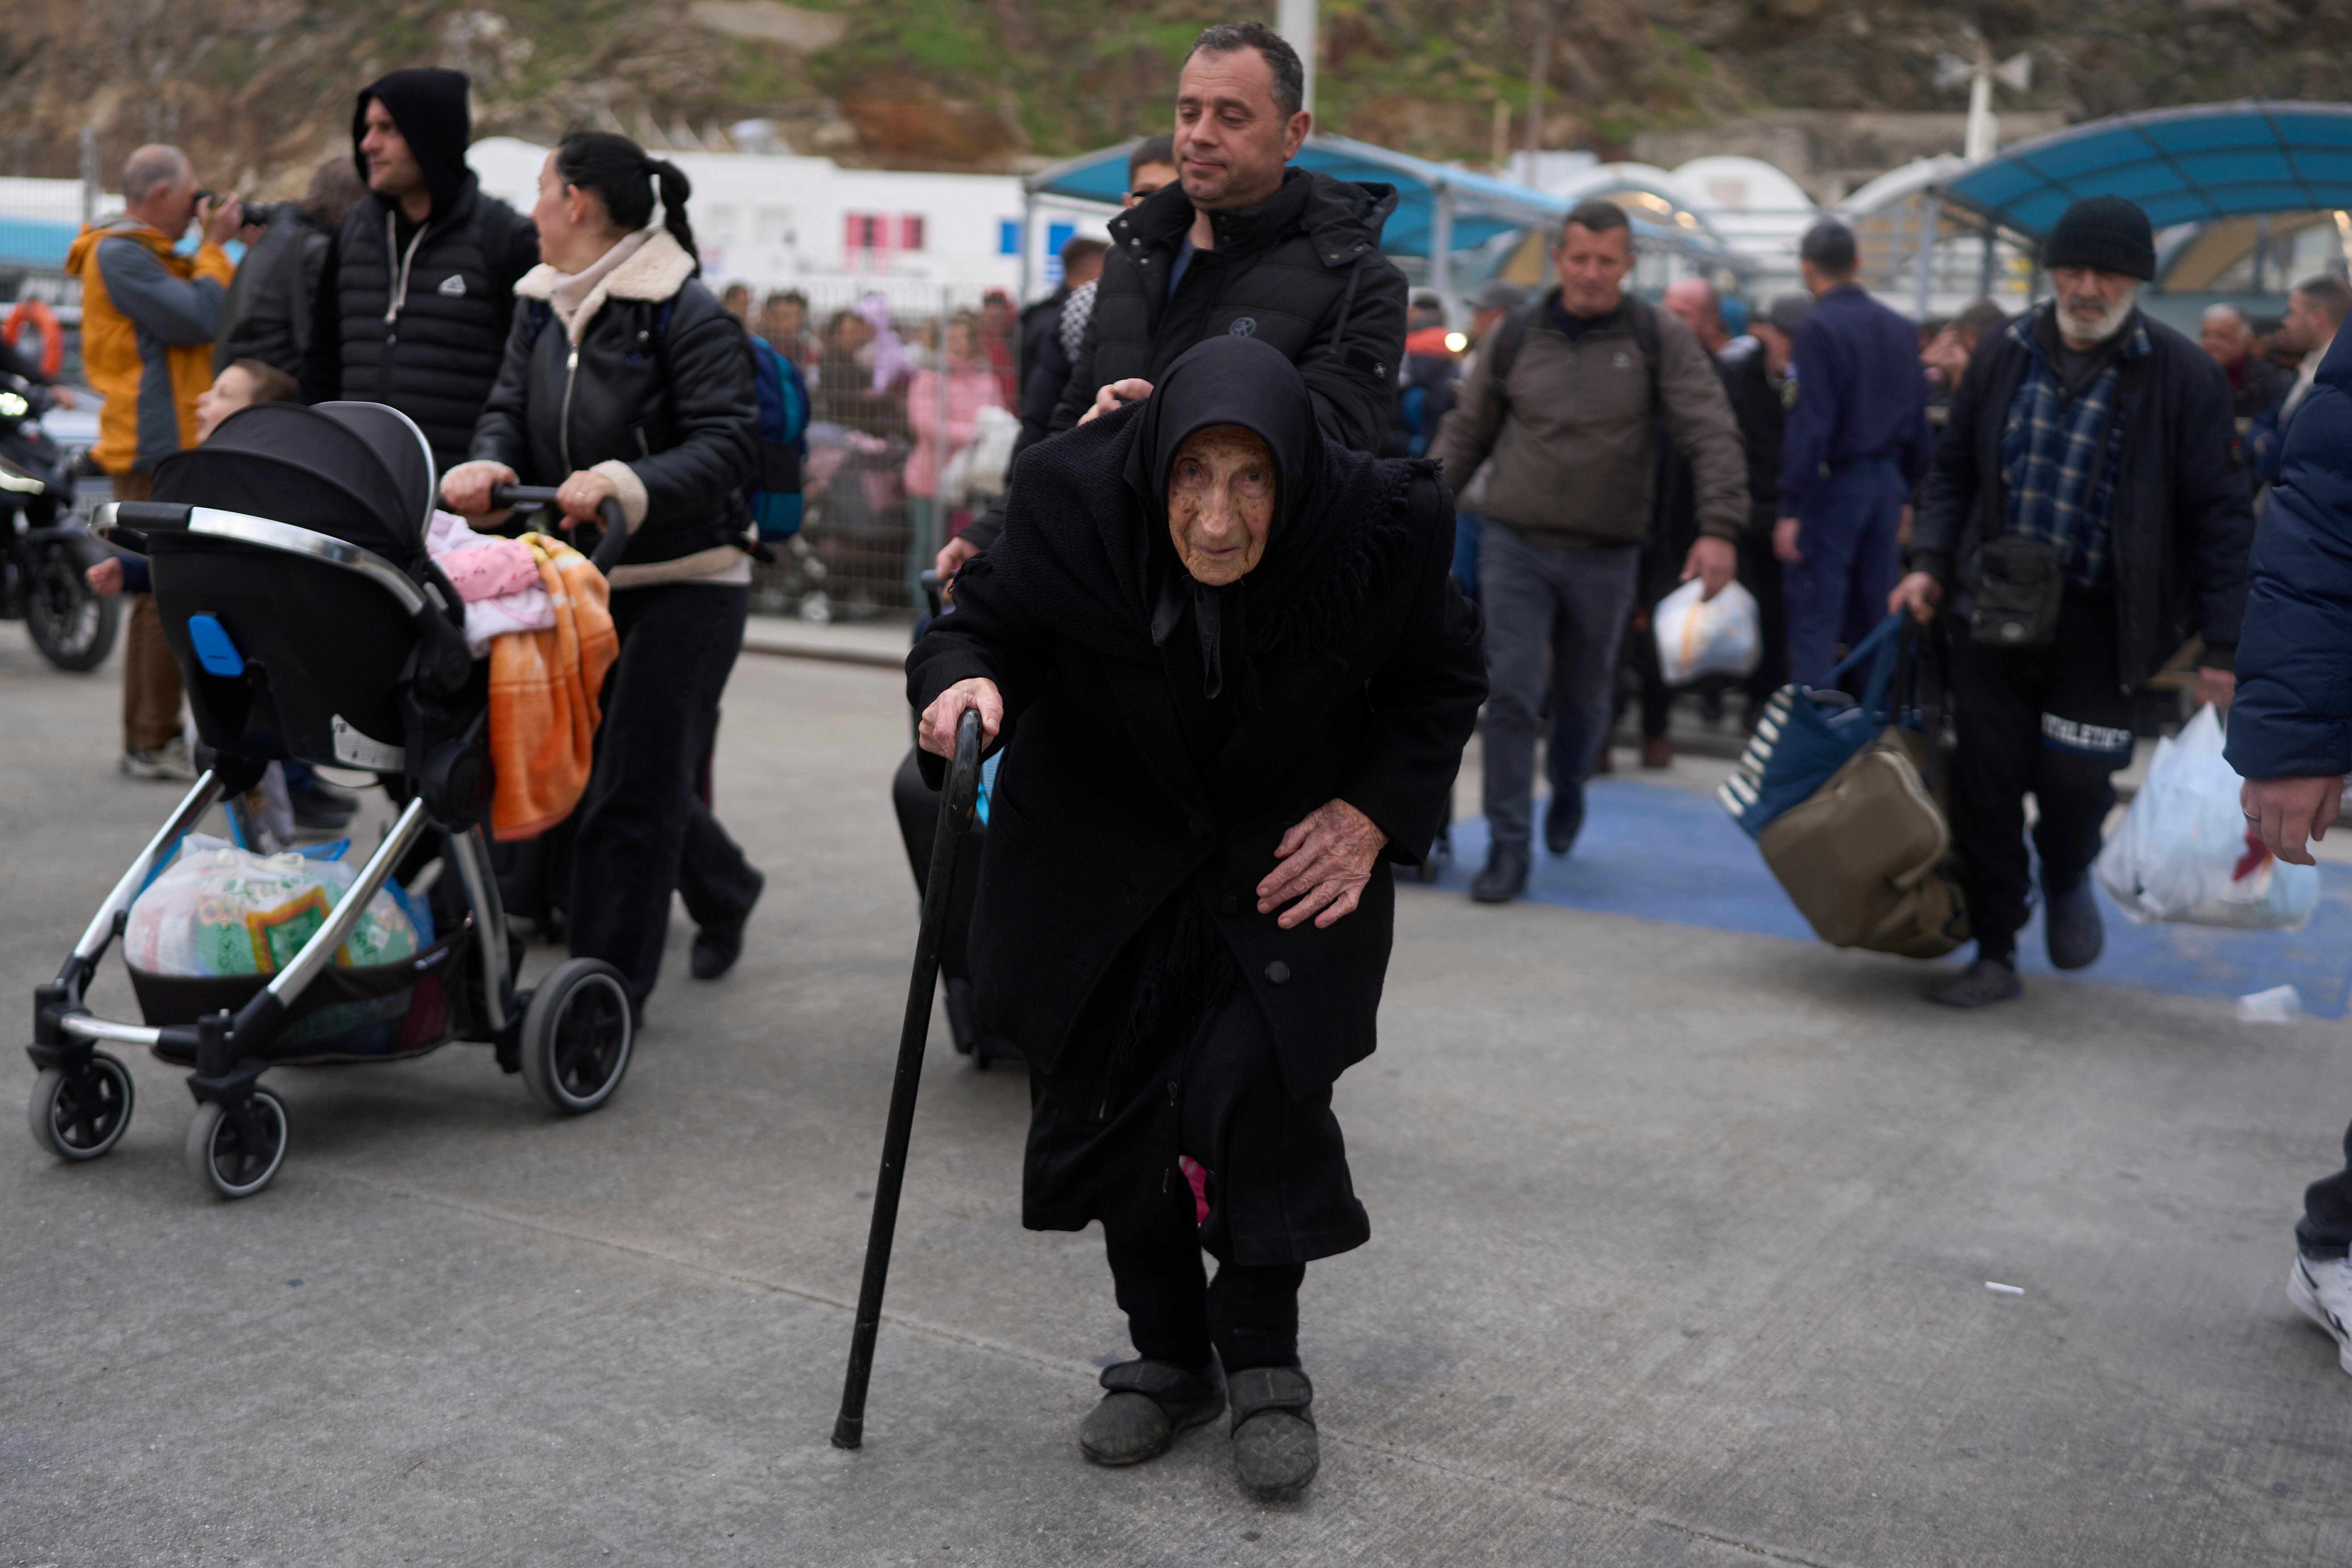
x=359 y=472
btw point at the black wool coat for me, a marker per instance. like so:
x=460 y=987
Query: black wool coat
x=1099 y=816
x=2181 y=522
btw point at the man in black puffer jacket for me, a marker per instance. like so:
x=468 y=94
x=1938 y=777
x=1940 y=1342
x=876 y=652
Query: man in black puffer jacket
x=417 y=293
x=1242 y=245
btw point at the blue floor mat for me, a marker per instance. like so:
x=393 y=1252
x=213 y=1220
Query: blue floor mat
x=1669 y=854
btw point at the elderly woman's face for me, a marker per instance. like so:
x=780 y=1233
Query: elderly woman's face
x=1221 y=503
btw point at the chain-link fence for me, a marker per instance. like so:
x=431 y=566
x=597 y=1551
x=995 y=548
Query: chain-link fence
x=913 y=394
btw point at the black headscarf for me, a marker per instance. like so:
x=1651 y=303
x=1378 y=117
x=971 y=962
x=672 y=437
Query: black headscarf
x=429 y=106
x=1224 y=381
x=1085 y=546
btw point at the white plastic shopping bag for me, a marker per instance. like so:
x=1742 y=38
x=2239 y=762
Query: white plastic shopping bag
x=1712 y=637
x=218 y=909
x=2184 y=851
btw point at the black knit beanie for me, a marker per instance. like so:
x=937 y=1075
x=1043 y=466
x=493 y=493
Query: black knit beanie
x=2105 y=232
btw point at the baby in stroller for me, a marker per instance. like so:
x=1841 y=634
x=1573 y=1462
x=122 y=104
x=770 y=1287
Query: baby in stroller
x=289 y=562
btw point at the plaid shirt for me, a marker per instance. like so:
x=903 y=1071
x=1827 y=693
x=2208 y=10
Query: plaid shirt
x=2058 y=459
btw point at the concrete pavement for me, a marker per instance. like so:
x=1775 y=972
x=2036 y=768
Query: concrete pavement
x=1680 y=1245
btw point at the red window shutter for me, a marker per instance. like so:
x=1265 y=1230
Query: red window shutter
x=911 y=232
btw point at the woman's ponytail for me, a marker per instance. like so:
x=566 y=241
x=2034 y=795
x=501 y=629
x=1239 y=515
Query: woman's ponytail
x=624 y=178
x=670 y=180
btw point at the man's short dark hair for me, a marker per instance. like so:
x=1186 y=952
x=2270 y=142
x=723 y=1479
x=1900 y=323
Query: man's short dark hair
x=1081 y=248
x=788 y=297
x=1160 y=149
x=1829 y=245
x=1289 y=75
x=1598 y=216
x=2330 y=294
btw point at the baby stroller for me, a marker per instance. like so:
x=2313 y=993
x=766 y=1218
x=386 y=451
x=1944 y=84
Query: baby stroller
x=290 y=573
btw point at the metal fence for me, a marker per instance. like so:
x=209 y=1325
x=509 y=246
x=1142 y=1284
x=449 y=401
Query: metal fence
x=892 y=411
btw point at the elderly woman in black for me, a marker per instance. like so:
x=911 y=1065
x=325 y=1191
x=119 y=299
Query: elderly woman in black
x=1233 y=676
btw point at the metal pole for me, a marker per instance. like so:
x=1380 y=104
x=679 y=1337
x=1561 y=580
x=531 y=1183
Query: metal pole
x=1984 y=267
x=1931 y=209
x=1028 y=222
x=1296 y=21
x=88 y=174
x=1536 y=89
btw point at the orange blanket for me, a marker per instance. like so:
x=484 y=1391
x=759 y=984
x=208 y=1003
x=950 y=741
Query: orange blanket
x=543 y=696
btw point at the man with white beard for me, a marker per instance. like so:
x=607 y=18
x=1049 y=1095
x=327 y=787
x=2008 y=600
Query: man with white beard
x=2084 y=518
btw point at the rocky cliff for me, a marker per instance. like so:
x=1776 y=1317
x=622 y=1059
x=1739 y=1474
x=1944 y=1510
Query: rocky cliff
x=259 y=89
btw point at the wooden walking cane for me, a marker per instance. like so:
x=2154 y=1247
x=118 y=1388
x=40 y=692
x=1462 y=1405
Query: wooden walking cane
x=956 y=803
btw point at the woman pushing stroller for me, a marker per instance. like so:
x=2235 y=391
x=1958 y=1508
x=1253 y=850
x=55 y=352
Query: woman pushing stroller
x=625 y=379
x=1237 y=676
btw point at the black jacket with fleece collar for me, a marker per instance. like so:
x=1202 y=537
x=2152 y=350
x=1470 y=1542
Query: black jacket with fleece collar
x=650 y=385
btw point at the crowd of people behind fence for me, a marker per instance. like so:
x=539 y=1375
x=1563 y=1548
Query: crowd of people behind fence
x=1288 y=513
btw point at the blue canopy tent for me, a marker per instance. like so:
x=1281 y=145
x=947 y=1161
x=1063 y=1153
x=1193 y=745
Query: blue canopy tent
x=2198 y=164
x=1443 y=212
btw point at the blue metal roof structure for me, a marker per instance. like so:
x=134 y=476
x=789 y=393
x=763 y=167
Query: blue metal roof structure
x=1439 y=208
x=2195 y=165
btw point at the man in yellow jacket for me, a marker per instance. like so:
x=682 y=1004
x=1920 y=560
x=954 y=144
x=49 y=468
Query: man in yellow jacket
x=149 y=315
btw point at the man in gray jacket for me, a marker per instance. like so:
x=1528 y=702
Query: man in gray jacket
x=1564 y=406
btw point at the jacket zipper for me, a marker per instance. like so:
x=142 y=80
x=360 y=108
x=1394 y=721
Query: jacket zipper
x=563 y=424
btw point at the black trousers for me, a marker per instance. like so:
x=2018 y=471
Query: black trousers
x=1174 y=1313
x=641 y=829
x=2325 y=1229
x=2052 y=722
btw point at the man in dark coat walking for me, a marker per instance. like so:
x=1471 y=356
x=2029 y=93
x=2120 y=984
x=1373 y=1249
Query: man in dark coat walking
x=1236 y=675
x=2086 y=516
x=1854 y=445
x=416 y=295
x=1243 y=245
x=2290 y=741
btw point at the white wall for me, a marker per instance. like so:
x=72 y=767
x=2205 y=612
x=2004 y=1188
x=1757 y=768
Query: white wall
x=770 y=220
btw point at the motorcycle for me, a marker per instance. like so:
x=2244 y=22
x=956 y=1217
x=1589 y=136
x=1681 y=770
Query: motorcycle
x=46 y=552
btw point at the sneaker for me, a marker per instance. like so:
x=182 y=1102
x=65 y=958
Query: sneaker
x=2071 y=925
x=2322 y=1292
x=316 y=805
x=1563 y=819
x=1149 y=1405
x=1276 y=1450
x=168 y=760
x=1505 y=878
x=1987 y=981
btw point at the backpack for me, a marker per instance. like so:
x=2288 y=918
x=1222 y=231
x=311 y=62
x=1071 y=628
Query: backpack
x=1512 y=335
x=773 y=493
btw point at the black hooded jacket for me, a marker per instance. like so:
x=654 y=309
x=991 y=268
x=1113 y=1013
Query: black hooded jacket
x=1301 y=271
x=417 y=315
x=1163 y=735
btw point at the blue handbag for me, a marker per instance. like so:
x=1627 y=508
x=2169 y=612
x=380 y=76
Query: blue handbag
x=1806 y=733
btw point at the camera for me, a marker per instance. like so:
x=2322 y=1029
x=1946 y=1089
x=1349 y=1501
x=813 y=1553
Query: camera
x=261 y=214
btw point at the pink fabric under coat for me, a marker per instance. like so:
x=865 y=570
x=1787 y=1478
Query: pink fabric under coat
x=971 y=387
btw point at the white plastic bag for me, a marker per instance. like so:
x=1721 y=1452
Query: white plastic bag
x=1712 y=637
x=2185 y=852
x=218 y=910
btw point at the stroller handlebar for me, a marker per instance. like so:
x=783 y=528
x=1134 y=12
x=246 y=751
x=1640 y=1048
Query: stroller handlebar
x=616 y=529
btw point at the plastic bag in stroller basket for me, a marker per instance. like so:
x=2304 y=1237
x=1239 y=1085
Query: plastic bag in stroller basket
x=220 y=920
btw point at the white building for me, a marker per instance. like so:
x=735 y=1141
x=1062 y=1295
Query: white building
x=771 y=220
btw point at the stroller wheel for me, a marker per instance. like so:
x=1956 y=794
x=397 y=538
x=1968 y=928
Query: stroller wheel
x=81 y=1124
x=220 y=1156
x=576 y=1035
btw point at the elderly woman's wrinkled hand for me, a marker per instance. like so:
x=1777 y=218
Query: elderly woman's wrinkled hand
x=937 y=732
x=1324 y=862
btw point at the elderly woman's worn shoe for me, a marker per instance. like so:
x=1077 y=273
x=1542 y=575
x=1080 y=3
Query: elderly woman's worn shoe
x=1149 y=1404
x=1276 y=1451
